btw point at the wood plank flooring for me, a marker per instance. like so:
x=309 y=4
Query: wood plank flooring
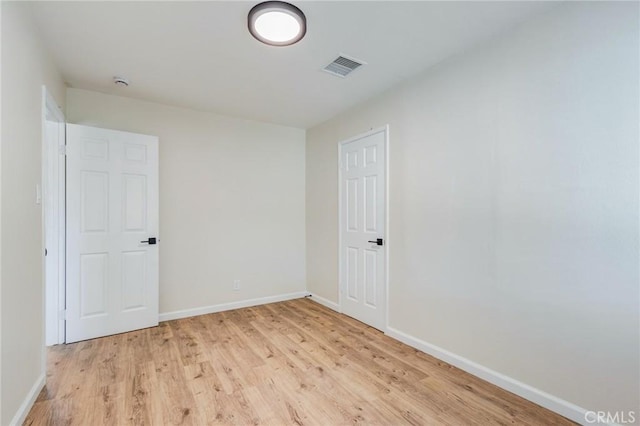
x=293 y=362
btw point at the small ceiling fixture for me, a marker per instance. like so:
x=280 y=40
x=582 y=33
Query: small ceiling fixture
x=120 y=81
x=277 y=23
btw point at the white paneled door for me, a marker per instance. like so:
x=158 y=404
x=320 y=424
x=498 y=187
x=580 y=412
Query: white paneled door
x=112 y=230
x=362 y=228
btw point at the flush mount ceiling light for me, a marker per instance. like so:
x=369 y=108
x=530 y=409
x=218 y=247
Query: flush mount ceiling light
x=277 y=23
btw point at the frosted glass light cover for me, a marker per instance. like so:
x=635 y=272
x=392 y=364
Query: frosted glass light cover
x=277 y=26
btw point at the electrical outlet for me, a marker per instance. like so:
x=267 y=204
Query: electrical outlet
x=236 y=285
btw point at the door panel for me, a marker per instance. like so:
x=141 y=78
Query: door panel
x=112 y=207
x=370 y=277
x=352 y=273
x=94 y=276
x=363 y=219
x=370 y=203
x=352 y=204
x=134 y=202
x=134 y=278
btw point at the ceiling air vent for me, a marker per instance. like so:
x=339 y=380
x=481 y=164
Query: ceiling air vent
x=343 y=66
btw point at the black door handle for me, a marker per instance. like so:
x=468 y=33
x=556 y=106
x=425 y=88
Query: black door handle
x=150 y=241
x=378 y=241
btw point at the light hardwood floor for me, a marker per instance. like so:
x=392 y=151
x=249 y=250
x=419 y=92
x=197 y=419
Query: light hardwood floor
x=293 y=362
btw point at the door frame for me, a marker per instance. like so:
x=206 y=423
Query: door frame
x=54 y=284
x=384 y=129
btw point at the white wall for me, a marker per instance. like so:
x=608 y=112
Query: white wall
x=25 y=68
x=513 y=204
x=231 y=199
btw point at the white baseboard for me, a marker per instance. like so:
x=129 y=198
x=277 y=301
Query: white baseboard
x=560 y=406
x=325 y=302
x=186 y=313
x=28 y=402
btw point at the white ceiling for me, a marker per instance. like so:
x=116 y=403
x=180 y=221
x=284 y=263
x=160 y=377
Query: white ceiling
x=200 y=55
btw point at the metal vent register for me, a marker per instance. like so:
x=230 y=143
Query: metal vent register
x=342 y=66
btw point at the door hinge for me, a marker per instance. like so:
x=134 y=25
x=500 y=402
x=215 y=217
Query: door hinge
x=63 y=315
x=62 y=150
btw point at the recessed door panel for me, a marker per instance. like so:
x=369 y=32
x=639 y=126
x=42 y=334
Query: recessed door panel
x=95 y=149
x=351 y=160
x=135 y=153
x=94 y=201
x=134 y=200
x=352 y=273
x=134 y=279
x=370 y=155
x=352 y=204
x=370 y=203
x=370 y=277
x=94 y=275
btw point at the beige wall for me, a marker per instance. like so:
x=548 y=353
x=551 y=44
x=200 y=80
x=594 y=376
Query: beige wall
x=231 y=199
x=25 y=68
x=513 y=204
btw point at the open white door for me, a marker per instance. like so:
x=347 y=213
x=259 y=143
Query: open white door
x=53 y=196
x=363 y=253
x=112 y=223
